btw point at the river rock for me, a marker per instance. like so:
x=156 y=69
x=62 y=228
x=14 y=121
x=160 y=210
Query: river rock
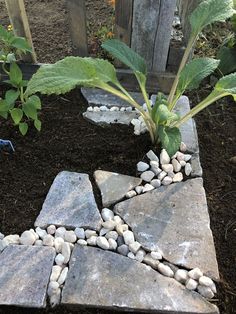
x=183 y=147
x=51 y=229
x=181 y=275
x=102 y=243
x=191 y=284
x=152 y=156
x=12 y=239
x=60 y=232
x=206 y=292
x=166 y=217
x=82 y=242
x=128 y=237
x=140 y=255
x=38 y=243
x=79 y=232
x=168 y=167
x=148 y=187
x=162 y=175
x=114 y=186
x=70 y=236
x=178 y=177
x=134 y=247
x=112 y=244
x=147 y=176
x=155 y=167
x=195 y=273
x=166 y=181
x=188 y=169
x=164 y=157
x=56 y=271
x=150 y=261
x=165 y=270
x=107 y=214
x=130 y=194
x=41 y=232
x=70 y=203
x=142 y=166
x=89 y=233
x=206 y=281
x=48 y=240
x=66 y=251
x=112 y=235
x=139 y=189
x=59 y=260
x=134 y=286
x=27 y=238
x=176 y=165
x=63 y=276
x=156 y=183
x=58 y=244
x=92 y=241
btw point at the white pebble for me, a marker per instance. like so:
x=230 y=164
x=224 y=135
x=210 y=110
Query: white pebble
x=51 y=229
x=178 y=177
x=38 y=243
x=89 y=233
x=181 y=275
x=48 y=240
x=182 y=163
x=180 y=156
x=134 y=247
x=59 y=260
x=187 y=157
x=165 y=270
x=206 y=292
x=176 y=165
x=112 y=244
x=63 y=276
x=188 y=169
x=56 y=271
x=155 y=167
x=82 y=242
x=156 y=255
x=92 y=241
x=167 y=180
x=142 y=166
x=123 y=249
x=55 y=298
x=162 y=175
x=118 y=220
x=152 y=156
x=27 y=238
x=104 y=108
x=52 y=287
x=148 y=187
x=168 y=167
x=147 y=175
x=36 y=236
x=103 y=231
x=129 y=109
x=110 y=224
x=102 y=243
x=12 y=239
x=191 y=284
x=151 y=261
x=121 y=229
x=171 y=174
x=206 y=281
x=131 y=255
x=107 y=214
x=58 y=244
x=96 y=109
x=164 y=157
x=70 y=236
x=90 y=109
x=130 y=194
x=195 y=273
x=156 y=183
x=66 y=251
x=60 y=232
x=128 y=237
x=139 y=189
x=41 y=232
x=140 y=255
x=183 y=147
x=112 y=235
x=79 y=232
x=122 y=109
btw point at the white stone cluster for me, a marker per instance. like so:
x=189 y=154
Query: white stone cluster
x=162 y=171
x=114 y=235
x=105 y=108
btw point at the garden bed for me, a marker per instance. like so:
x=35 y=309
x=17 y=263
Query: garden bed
x=68 y=142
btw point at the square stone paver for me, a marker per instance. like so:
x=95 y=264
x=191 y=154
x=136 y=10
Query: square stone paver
x=24 y=275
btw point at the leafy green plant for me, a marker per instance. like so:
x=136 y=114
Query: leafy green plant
x=162 y=123
x=16 y=103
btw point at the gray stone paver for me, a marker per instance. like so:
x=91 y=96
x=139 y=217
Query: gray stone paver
x=98 y=97
x=114 y=186
x=104 y=279
x=24 y=275
x=176 y=220
x=70 y=203
x=105 y=118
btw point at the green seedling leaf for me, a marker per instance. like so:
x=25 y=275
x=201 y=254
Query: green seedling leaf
x=11 y=96
x=227 y=58
x=227 y=85
x=163 y=115
x=4 y=106
x=170 y=139
x=17 y=115
x=194 y=72
x=4 y=34
x=37 y=124
x=68 y=73
x=21 y=44
x=23 y=128
x=4 y=114
x=126 y=55
x=34 y=101
x=29 y=110
x=210 y=11
x=15 y=74
x=11 y=57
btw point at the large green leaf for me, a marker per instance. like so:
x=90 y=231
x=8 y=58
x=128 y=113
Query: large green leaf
x=194 y=72
x=227 y=58
x=66 y=74
x=170 y=139
x=227 y=85
x=126 y=55
x=20 y=43
x=210 y=11
x=15 y=74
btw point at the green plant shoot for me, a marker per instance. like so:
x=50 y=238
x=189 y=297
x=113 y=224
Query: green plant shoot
x=162 y=123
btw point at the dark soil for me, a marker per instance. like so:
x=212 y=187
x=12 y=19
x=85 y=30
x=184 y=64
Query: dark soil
x=67 y=142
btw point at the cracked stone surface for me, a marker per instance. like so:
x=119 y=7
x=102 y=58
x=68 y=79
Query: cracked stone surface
x=175 y=219
x=70 y=203
x=110 y=117
x=114 y=186
x=105 y=279
x=98 y=97
x=24 y=275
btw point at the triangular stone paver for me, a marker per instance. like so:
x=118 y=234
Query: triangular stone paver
x=175 y=219
x=24 y=275
x=105 y=279
x=114 y=186
x=70 y=203
x=98 y=97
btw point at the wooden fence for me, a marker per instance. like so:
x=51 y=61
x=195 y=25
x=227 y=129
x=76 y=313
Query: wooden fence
x=143 y=25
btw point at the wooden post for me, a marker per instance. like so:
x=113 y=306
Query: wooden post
x=152 y=22
x=78 y=29
x=19 y=21
x=123 y=20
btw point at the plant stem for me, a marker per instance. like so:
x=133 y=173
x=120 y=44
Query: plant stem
x=214 y=96
x=4 y=68
x=182 y=64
